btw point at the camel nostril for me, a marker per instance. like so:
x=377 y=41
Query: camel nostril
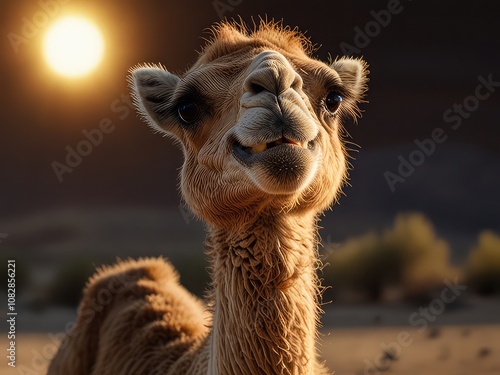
x=256 y=88
x=297 y=83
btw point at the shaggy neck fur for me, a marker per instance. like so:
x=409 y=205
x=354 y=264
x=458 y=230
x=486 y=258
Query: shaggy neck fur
x=265 y=285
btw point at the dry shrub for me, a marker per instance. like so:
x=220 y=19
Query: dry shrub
x=409 y=258
x=68 y=282
x=482 y=270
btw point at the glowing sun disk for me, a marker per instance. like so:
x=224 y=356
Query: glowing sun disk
x=73 y=46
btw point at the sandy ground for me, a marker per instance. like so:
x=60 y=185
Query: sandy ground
x=450 y=350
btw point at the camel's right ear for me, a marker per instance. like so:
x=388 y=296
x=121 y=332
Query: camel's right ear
x=152 y=90
x=354 y=74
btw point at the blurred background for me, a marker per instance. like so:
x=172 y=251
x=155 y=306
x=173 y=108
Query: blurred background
x=420 y=221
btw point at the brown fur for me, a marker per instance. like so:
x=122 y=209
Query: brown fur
x=262 y=313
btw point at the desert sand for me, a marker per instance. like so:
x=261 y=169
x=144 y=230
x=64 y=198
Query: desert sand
x=448 y=350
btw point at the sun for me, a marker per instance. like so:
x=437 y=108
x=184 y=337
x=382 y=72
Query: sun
x=73 y=46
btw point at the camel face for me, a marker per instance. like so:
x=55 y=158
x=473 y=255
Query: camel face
x=259 y=121
x=275 y=135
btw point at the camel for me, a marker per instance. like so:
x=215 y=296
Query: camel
x=260 y=123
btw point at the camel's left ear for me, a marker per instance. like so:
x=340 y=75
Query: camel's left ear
x=152 y=89
x=354 y=75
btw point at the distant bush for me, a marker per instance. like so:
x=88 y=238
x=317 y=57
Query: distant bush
x=482 y=270
x=408 y=258
x=68 y=283
x=193 y=273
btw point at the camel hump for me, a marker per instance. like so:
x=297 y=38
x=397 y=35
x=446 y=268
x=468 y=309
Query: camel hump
x=131 y=307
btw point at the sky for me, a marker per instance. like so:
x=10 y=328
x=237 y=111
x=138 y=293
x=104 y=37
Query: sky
x=429 y=137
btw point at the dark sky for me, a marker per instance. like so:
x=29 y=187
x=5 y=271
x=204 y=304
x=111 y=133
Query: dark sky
x=426 y=58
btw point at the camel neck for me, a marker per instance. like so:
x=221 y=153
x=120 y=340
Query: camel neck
x=265 y=297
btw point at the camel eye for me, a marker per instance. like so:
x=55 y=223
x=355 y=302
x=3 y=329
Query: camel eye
x=332 y=101
x=188 y=112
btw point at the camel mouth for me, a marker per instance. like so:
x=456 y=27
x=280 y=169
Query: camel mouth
x=282 y=166
x=267 y=151
x=262 y=147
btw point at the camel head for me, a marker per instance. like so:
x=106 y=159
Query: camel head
x=259 y=122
